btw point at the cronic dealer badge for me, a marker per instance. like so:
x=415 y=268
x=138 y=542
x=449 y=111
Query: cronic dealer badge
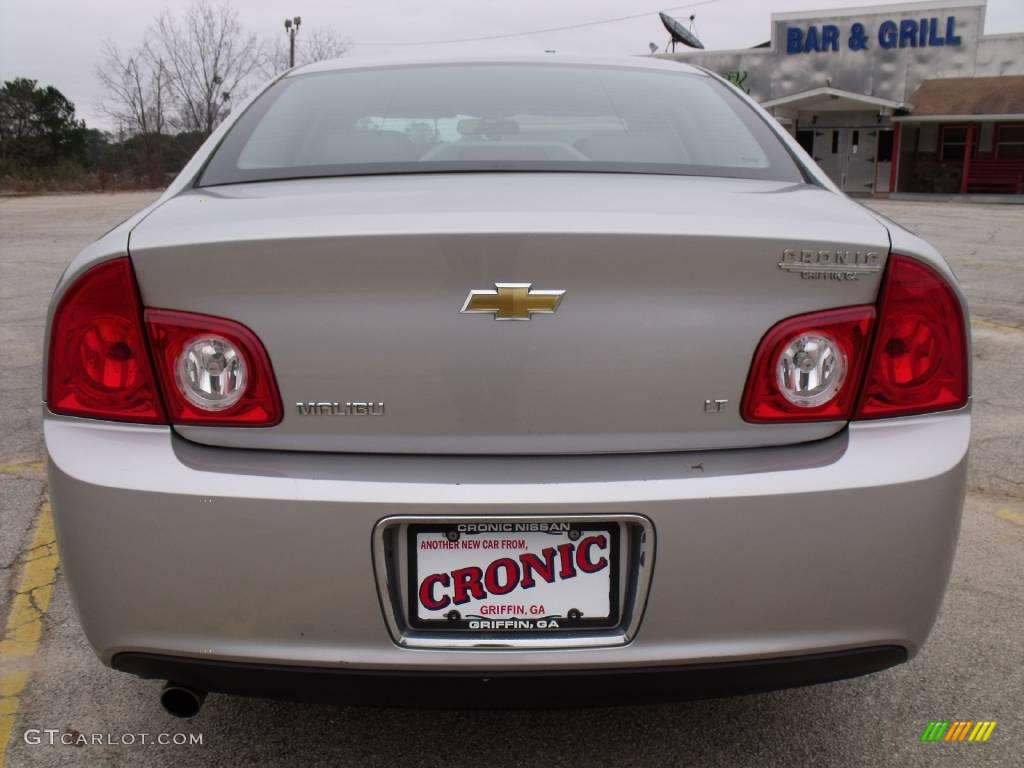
x=830 y=264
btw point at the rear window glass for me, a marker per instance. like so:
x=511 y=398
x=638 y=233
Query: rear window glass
x=498 y=117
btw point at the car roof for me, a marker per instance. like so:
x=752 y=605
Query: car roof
x=623 y=62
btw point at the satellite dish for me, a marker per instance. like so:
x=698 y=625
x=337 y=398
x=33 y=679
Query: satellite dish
x=680 y=34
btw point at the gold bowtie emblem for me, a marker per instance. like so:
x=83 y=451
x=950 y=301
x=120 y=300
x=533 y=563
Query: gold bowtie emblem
x=512 y=301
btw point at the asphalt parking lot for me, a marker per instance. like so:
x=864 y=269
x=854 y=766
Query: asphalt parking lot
x=971 y=668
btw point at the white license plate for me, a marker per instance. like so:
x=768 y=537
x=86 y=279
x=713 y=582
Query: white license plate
x=513 y=576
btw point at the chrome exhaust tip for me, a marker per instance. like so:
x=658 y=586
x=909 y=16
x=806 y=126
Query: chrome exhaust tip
x=181 y=700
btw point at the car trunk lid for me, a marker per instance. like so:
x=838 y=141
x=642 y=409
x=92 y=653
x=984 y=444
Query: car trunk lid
x=355 y=287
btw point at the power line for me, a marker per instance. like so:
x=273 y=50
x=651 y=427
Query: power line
x=541 y=31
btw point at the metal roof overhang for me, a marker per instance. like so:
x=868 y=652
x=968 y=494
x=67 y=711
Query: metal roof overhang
x=968 y=99
x=827 y=98
x=960 y=118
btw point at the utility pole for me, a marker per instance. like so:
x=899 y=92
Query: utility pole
x=291 y=28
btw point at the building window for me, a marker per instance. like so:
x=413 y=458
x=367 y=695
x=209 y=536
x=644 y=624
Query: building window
x=884 y=154
x=1010 y=142
x=952 y=142
x=806 y=140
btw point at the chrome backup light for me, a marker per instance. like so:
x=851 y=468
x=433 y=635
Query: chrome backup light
x=211 y=373
x=810 y=370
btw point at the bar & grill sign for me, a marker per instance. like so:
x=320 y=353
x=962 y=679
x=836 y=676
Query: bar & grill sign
x=930 y=32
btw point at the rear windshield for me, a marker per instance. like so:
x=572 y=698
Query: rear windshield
x=498 y=117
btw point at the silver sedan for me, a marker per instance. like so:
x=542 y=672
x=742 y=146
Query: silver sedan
x=505 y=376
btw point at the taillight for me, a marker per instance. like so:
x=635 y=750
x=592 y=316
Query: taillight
x=212 y=370
x=111 y=359
x=919 y=363
x=845 y=364
x=98 y=365
x=807 y=368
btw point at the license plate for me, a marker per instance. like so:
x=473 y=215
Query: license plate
x=514 y=576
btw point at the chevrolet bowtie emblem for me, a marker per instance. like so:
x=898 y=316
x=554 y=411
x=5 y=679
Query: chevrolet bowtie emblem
x=512 y=301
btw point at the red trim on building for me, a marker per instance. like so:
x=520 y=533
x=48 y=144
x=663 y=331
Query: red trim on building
x=968 y=151
x=894 y=168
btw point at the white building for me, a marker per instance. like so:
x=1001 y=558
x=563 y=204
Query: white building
x=908 y=98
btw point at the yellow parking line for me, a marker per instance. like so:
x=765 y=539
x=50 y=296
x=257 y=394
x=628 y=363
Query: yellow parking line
x=1009 y=516
x=26 y=468
x=24 y=628
x=997 y=326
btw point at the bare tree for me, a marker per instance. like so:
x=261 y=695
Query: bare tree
x=316 y=45
x=137 y=97
x=209 y=58
x=136 y=88
x=319 y=45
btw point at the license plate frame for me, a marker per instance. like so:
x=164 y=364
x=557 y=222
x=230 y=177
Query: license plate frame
x=550 y=623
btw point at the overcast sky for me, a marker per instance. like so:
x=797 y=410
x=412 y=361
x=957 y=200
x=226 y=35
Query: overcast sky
x=57 y=41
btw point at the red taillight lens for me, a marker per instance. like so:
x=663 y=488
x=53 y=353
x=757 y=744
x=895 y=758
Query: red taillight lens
x=209 y=370
x=919 y=362
x=916 y=362
x=792 y=354
x=212 y=370
x=99 y=366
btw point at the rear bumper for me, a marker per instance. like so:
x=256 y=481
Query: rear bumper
x=504 y=689
x=185 y=551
